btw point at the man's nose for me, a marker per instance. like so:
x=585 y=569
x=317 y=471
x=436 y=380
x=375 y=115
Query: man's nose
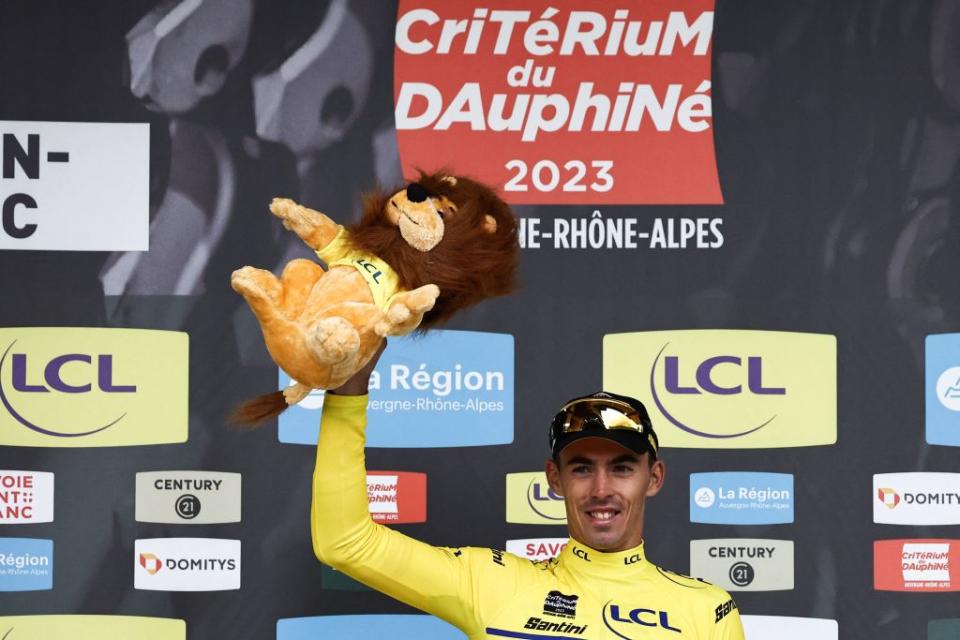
x=601 y=485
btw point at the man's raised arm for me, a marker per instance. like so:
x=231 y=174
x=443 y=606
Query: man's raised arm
x=441 y=581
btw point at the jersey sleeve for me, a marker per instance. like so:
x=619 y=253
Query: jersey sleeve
x=336 y=249
x=460 y=586
x=727 y=624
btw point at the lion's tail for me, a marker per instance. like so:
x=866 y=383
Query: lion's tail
x=256 y=411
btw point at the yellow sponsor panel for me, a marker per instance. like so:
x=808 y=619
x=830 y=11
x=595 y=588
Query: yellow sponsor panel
x=725 y=389
x=91 y=628
x=531 y=501
x=92 y=387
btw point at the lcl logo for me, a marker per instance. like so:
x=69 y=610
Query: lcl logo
x=53 y=374
x=77 y=367
x=541 y=497
x=705 y=380
x=705 y=375
x=639 y=616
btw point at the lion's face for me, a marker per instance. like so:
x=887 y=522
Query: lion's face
x=454 y=232
x=420 y=214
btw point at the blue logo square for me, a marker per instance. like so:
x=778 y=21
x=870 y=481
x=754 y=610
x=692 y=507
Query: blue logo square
x=26 y=564
x=741 y=497
x=445 y=389
x=394 y=626
x=943 y=389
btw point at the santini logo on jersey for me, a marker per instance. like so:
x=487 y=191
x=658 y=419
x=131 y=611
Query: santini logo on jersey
x=558 y=627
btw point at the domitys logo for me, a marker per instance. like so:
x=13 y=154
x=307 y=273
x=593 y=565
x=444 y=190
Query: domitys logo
x=916 y=498
x=888 y=497
x=560 y=96
x=150 y=563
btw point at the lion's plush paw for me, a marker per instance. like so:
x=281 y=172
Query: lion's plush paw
x=244 y=281
x=334 y=339
x=295 y=393
x=398 y=313
x=422 y=299
x=281 y=207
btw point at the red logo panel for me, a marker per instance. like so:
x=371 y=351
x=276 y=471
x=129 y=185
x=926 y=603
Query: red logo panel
x=397 y=497
x=560 y=102
x=916 y=565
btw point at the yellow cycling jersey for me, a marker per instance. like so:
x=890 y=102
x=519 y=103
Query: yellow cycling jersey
x=383 y=281
x=583 y=594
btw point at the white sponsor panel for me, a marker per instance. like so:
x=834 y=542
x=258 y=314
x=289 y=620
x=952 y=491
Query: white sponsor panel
x=382 y=493
x=186 y=564
x=537 y=548
x=188 y=497
x=744 y=564
x=789 y=628
x=25 y=496
x=916 y=498
x=55 y=180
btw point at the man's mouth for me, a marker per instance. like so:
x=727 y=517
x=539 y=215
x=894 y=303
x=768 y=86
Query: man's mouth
x=602 y=516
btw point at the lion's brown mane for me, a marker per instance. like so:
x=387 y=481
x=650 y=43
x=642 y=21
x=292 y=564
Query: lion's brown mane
x=469 y=264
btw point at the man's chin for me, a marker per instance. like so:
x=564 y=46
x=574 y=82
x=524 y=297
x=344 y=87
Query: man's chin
x=603 y=541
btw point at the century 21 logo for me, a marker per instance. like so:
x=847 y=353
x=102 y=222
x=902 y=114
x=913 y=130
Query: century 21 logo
x=69 y=387
x=729 y=389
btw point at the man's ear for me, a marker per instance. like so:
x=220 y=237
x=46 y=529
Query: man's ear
x=658 y=473
x=489 y=223
x=553 y=477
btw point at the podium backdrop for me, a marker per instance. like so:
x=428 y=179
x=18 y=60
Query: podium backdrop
x=743 y=213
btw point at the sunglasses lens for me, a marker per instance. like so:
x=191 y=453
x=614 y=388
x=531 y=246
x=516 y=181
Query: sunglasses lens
x=587 y=414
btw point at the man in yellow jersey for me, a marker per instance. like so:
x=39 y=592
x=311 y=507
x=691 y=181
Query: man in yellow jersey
x=605 y=464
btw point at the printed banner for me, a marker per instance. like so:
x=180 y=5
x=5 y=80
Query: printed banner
x=188 y=497
x=789 y=628
x=530 y=500
x=741 y=497
x=91 y=387
x=721 y=389
x=367 y=626
x=75 y=186
x=743 y=564
x=26 y=564
x=916 y=565
x=445 y=389
x=537 y=548
x=25 y=497
x=572 y=102
x=943 y=389
x=80 y=627
x=916 y=498
x=397 y=497
x=186 y=564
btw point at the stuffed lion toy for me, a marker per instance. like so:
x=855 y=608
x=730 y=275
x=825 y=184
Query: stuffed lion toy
x=417 y=256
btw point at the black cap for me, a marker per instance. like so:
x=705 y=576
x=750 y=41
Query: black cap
x=635 y=433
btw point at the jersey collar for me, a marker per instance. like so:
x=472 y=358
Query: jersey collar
x=579 y=558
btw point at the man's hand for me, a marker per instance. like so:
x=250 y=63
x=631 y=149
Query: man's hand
x=358 y=384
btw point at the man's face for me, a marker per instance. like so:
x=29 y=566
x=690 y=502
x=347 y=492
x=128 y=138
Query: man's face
x=604 y=487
